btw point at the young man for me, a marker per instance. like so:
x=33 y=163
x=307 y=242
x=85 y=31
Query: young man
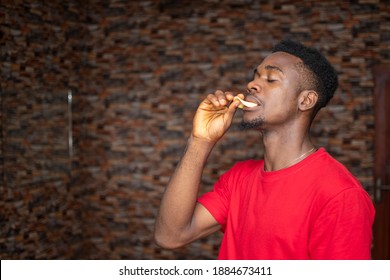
x=297 y=203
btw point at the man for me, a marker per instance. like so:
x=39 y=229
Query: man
x=297 y=203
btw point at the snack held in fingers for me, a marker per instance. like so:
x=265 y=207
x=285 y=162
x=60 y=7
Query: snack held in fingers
x=244 y=103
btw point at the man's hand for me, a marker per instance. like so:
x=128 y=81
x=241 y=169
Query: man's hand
x=214 y=117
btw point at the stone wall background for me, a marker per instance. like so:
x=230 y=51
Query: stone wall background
x=137 y=71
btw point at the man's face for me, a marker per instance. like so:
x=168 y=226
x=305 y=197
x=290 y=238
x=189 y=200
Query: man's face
x=274 y=87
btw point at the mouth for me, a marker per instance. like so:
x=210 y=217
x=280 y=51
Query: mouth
x=244 y=103
x=253 y=99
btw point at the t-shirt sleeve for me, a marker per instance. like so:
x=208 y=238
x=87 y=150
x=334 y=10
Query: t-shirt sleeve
x=343 y=229
x=217 y=201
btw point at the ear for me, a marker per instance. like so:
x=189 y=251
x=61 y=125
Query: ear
x=307 y=100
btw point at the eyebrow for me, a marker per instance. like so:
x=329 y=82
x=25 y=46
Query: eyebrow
x=272 y=67
x=268 y=67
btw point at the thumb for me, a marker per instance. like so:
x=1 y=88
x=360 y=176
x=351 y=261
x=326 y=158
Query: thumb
x=232 y=109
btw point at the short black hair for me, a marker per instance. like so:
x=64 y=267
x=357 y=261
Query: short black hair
x=324 y=77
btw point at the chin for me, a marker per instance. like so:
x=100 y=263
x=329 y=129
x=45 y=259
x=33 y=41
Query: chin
x=256 y=123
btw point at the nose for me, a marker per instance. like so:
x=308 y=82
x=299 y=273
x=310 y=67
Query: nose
x=253 y=87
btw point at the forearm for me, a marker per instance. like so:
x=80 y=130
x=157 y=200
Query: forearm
x=179 y=220
x=179 y=200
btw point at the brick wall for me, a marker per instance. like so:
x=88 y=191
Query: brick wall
x=40 y=61
x=137 y=71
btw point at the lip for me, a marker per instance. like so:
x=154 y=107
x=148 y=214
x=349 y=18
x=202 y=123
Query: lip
x=254 y=99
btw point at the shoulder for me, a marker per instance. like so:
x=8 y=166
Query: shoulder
x=334 y=184
x=240 y=172
x=248 y=164
x=245 y=167
x=333 y=173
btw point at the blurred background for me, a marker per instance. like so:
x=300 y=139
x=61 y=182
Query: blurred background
x=97 y=100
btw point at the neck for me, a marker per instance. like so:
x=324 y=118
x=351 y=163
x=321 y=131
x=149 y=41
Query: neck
x=284 y=149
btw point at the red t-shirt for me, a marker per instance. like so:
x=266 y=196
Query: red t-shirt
x=314 y=209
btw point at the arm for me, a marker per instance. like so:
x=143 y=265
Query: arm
x=181 y=219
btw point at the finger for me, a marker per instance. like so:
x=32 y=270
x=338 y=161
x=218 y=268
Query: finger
x=234 y=105
x=232 y=109
x=212 y=99
x=221 y=96
x=230 y=96
x=241 y=95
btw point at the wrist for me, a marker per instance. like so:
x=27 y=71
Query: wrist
x=204 y=142
x=201 y=146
